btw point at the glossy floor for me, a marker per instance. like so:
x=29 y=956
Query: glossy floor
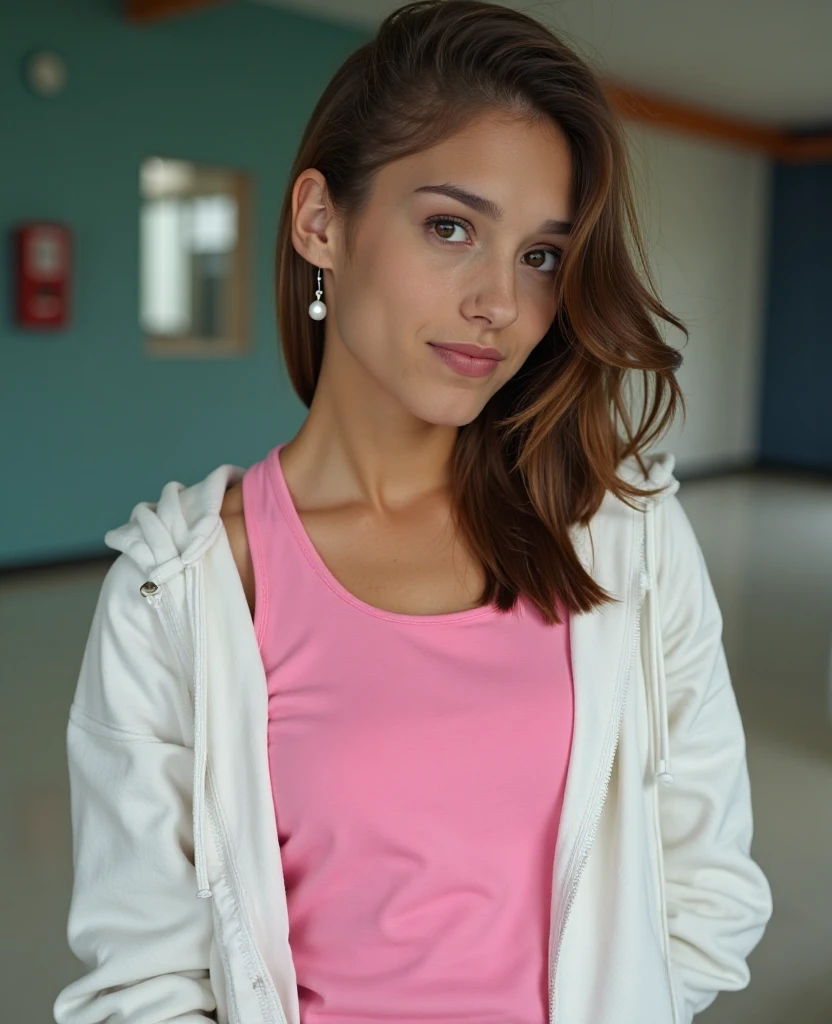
x=768 y=544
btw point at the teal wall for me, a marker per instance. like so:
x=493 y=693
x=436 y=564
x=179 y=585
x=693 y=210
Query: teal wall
x=90 y=425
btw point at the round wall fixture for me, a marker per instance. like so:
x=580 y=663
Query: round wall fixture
x=45 y=73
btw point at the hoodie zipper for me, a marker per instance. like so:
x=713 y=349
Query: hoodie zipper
x=254 y=962
x=572 y=889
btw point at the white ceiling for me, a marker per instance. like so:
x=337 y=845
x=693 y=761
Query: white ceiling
x=768 y=61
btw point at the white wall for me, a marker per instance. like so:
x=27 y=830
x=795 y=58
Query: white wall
x=705 y=209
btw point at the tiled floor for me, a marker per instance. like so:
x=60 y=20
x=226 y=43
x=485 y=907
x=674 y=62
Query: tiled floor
x=768 y=544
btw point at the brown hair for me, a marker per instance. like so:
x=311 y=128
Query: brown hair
x=545 y=448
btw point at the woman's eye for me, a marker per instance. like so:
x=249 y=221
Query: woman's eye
x=445 y=222
x=451 y=224
x=553 y=265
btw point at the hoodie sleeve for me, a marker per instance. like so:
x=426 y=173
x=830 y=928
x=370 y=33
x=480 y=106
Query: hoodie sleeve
x=718 y=899
x=134 y=922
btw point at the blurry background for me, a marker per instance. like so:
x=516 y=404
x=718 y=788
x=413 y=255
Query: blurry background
x=145 y=151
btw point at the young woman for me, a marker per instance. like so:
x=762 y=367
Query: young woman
x=380 y=728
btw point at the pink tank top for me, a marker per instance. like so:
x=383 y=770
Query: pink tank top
x=418 y=765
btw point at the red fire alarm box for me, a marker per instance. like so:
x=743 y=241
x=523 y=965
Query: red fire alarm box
x=43 y=259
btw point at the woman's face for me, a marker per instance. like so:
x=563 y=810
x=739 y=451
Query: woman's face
x=428 y=268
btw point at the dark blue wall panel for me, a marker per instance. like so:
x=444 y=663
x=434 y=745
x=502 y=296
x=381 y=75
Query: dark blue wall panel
x=796 y=426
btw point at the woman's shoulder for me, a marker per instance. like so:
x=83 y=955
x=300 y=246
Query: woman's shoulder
x=233 y=517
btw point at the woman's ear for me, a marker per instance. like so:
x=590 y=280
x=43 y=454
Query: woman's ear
x=315 y=226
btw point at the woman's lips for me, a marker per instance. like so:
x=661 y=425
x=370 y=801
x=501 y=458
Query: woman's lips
x=469 y=349
x=468 y=366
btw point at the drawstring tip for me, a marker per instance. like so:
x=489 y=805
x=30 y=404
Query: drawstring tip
x=666 y=778
x=204 y=894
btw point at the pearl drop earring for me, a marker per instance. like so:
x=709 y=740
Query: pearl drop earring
x=317 y=309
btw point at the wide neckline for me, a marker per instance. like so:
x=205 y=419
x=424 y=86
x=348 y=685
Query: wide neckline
x=304 y=541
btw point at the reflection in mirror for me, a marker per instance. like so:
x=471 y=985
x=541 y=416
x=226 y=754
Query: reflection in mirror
x=193 y=222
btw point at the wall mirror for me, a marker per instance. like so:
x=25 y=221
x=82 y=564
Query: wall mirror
x=195 y=276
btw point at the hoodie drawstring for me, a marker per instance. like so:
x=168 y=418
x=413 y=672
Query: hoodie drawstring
x=196 y=610
x=657 y=673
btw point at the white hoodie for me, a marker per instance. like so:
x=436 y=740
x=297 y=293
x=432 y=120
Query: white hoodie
x=656 y=901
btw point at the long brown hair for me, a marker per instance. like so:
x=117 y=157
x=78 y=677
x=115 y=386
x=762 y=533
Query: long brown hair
x=545 y=448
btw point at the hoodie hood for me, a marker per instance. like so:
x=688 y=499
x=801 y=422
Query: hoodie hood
x=169 y=536
x=182 y=524
x=660 y=466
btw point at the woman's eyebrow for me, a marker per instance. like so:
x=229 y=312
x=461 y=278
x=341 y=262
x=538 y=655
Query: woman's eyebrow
x=489 y=208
